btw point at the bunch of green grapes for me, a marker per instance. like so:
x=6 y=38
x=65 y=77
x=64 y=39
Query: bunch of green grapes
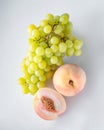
x=48 y=44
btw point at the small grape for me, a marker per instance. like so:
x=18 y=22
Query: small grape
x=40 y=51
x=42 y=78
x=49 y=16
x=39 y=72
x=78 y=44
x=33 y=66
x=42 y=65
x=48 y=52
x=34 y=79
x=35 y=34
x=40 y=84
x=21 y=81
x=37 y=59
x=58 y=29
x=30 y=28
x=69 y=43
x=62 y=47
x=64 y=18
x=43 y=23
x=54 y=40
x=54 y=48
x=54 y=60
x=33 y=88
x=77 y=52
x=47 y=29
x=25 y=89
x=70 y=51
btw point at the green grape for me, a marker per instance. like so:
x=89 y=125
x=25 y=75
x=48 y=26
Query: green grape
x=33 y=47
x=54 y=48
x=23 y=67
x=40 y=51
x=62 y=47
x=30 y=28
x=58 y=53
x=47 y=29
x=69 y=43
x=64 y=18
x=43 y=44
x=42 y=78
x=37 y=59
x=60 y=61
x=54 y=40
x=49 y=16
x=48 y=68
x=25 y=89
x=34 y=79
x=30 y=71
x=33 y=66
x=48 y=52
x=28 y=80
x=33 y=88
x=40 y=84
x=59 y=28
x=35 y=34
x=43 y=23
x=70 y=51
x=57 y=19
x=39 y=72
x=42 y=65
x=21 y=81
x=27 y=62
x=78 y=44
x=77 y=52
x=54 y=60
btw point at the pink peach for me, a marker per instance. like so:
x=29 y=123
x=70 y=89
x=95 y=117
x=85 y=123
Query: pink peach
x=48 y=103
x=69 y=79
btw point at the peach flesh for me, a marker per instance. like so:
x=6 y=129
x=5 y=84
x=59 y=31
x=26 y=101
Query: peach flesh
x=48 y=103
x=69 y=79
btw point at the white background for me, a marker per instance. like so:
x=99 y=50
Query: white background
x=84 y=111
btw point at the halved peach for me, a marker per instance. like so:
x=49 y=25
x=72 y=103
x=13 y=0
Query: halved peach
x=48 y=103
x=69 y=79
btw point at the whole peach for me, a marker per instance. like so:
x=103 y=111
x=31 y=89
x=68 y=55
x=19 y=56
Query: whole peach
x=69 y=79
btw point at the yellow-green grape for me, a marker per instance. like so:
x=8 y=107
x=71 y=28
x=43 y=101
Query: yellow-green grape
x=42 y=65
x=60 y=61
x=21 y=81
x=35 y=34
x=59 y=28
x=33 y=88
x=49 y=16
x=54 y=60
x=69 y=43
x=43 y=23
x=40 y=51
x=68 y=28
x=72 y=38
x=30 y=28
x=54 y=40
x=42 y=78
x=47 y=29
x=43 y=44
x=48 y=68
x=62 y=47
x=78 y=44
x=48 y=52
x=25 y=89
x=33 y=66
x=34 y=79
x=58 y=54
x=39 y=72
x=54 y=48
x=40 y=84
x=32 y=47
x=27 y=62
x=64 y=18
x=37 y=59
x=70 y=52
x=57 y=19
x=78 y=52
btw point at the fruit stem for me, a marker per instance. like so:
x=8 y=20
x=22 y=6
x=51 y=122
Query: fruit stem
x=71 y=83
